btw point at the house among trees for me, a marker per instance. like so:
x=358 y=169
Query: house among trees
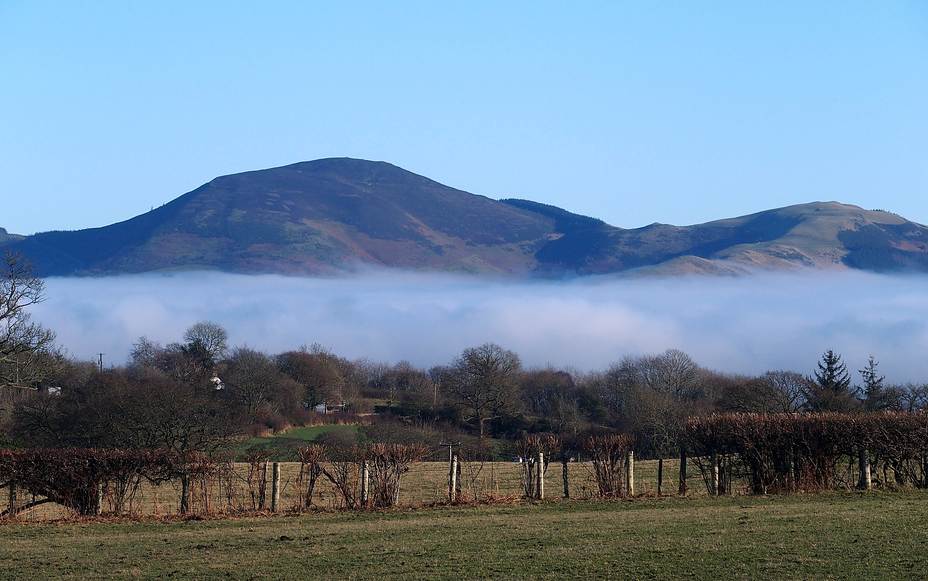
x=330 y=408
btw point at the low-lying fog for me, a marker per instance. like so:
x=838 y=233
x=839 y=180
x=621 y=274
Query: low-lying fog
x=739 y=325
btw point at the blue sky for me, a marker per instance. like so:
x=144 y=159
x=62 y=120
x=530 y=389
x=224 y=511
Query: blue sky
x=676 y=112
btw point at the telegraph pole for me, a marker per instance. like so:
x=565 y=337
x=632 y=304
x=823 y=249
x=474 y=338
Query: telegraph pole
x=101 y=362
x=451 y=446
x=454 y=471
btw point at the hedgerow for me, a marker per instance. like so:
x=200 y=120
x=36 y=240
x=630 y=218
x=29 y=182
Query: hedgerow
x=816 y=451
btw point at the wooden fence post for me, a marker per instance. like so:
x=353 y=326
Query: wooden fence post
x=365 y=484
x=565 y=477
x=715 y=475
x=540 y=475
x=184 y=493
x=630 y=473
x=729 y=477
x=453 y=480
x=98 y=510
x=865 y=482
x=275 y=487
x=12 y=500
x=262 y=497
x=682 y=490
x=660 y=475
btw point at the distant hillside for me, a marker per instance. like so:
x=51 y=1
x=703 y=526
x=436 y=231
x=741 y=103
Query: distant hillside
x=335 y=215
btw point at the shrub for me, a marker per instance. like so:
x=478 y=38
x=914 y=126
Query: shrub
x=529 y=447
x=311 y=459
x=608 y=454
x=387 y=463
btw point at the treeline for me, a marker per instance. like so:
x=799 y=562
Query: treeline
x=199 y=393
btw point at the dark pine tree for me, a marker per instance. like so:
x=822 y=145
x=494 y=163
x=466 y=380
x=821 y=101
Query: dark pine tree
x=874 y=394
x=832 y=373
x=831 y=389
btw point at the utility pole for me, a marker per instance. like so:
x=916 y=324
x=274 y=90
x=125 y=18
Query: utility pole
x=435 y=381
x=451 y=446
x=454 y=469
x=101 y=362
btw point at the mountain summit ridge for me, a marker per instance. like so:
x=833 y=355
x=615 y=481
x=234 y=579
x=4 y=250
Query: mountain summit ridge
x=331 y=215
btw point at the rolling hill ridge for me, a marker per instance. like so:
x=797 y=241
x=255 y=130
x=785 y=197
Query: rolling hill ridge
x=336 y=215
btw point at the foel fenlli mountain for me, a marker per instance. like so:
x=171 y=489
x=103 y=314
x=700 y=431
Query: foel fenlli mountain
x=335 y=215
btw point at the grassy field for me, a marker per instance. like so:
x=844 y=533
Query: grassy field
x=847 y=535
x=283 y=446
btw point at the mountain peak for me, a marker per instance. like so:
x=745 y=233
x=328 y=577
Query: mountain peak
x=350 y=172
x=844 y=213
x=345 y=165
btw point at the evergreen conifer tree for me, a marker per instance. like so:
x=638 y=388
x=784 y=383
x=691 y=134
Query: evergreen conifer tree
x=830 y=388
x=873 y=385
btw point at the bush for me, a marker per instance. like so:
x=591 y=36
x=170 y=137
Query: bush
x=529 y=447
x=387 y=464
x=311 y=459
x=608 y=454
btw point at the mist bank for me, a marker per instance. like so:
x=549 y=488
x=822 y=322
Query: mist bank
x=742 y=325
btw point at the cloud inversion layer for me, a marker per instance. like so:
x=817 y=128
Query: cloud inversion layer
x=745 y=324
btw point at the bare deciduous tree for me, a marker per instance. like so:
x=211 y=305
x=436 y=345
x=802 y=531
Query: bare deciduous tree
x=773 y=392
x=212 y=337
x=484 y=380
x=912 y=397
x=253 y=379
x=22 y=342
x=552 y=394
x=145 y=352
x=787 y=389
x=318 y=372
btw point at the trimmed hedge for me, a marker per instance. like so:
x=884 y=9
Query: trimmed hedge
x=75 y=477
